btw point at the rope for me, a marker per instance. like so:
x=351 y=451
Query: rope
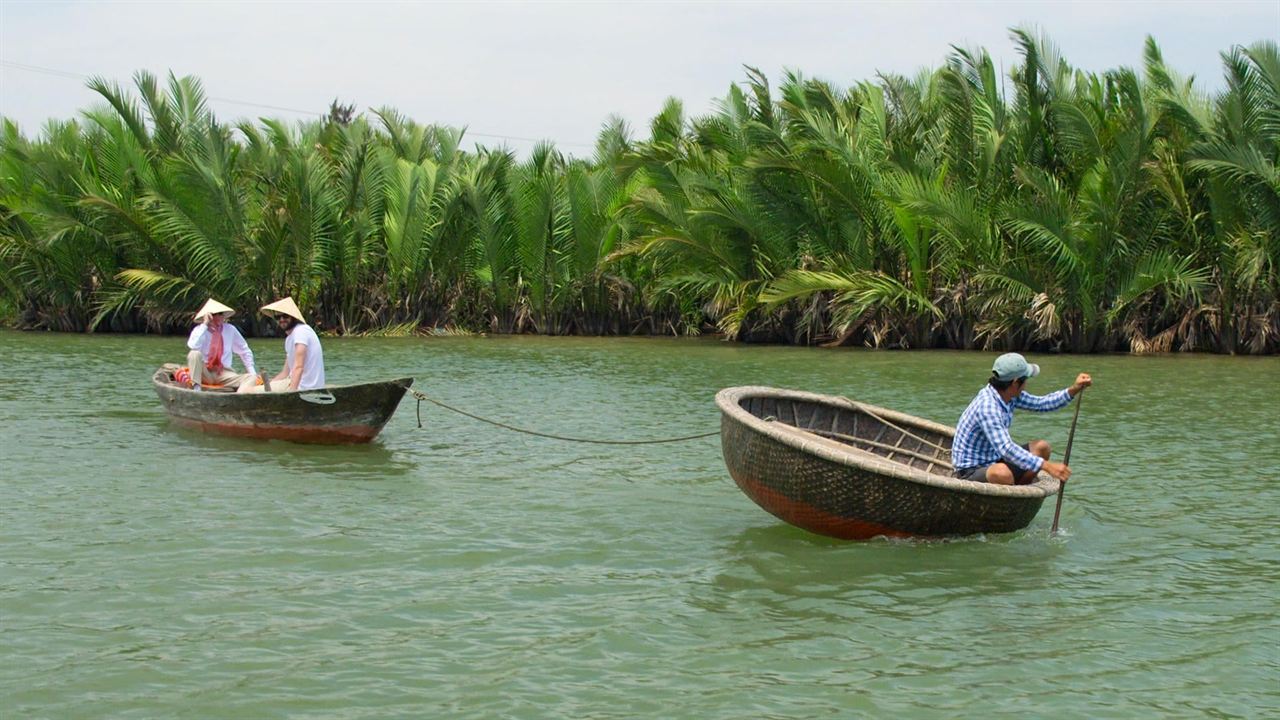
x=423 y=398
x=859 y=406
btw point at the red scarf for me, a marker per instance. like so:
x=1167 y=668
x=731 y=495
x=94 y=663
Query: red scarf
x=213 y=360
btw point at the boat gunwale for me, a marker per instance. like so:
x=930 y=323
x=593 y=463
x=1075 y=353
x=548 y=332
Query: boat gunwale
x=729 y=401
x=160 y=381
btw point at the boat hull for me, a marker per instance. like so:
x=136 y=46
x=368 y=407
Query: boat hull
x=837 y=491
x=338 y=415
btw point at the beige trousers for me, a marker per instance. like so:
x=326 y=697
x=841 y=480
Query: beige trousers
x=276 y=386
x=201 y=375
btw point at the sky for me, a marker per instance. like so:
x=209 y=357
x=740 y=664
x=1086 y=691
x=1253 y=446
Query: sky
x=517 y=72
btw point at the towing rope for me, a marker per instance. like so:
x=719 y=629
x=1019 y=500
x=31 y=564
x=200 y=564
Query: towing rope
x=422 y=397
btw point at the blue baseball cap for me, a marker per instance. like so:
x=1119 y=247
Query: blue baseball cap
x=1011 y=366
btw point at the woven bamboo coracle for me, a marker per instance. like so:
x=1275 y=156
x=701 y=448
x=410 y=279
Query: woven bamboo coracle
x=850 y=470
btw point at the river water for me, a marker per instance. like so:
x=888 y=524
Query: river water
x=461 y=570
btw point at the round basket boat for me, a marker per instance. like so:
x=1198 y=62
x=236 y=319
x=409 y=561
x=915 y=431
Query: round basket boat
x=850 y=470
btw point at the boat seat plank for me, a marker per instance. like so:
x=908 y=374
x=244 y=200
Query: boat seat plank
x=865 y=441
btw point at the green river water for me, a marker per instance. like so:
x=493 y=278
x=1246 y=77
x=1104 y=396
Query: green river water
x=461 y=570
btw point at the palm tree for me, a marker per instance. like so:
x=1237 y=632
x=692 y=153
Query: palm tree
x=1078 y=211
x=1240 y=157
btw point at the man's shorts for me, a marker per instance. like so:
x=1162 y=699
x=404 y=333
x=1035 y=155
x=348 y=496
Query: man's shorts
x=979 y=473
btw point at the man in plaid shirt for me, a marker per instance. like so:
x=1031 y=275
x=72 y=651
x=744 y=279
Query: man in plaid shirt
x=983 y=450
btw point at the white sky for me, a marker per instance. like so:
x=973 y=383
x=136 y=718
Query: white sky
x=558 y=70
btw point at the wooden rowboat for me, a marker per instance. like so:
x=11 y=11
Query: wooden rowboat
x=855 y=471
x=334 y=415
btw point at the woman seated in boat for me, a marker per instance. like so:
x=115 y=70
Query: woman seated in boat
x=304 y=360
x=983 y=451
x=211 y=345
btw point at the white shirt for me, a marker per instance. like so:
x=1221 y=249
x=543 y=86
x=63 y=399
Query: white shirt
x=232 y=341
x=313 y=364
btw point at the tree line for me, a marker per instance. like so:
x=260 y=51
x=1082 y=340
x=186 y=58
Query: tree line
x=1048 y=209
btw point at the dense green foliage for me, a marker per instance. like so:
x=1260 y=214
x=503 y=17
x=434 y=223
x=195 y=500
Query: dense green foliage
x=1051 y=208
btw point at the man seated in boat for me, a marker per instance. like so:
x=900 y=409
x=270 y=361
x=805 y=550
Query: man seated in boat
x=211 y=344
x=983 y=450
x=304 y=360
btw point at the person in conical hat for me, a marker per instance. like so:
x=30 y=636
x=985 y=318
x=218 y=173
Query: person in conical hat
x=304 y=358
x=983 y=451
x=211 y=344
x=213 y=307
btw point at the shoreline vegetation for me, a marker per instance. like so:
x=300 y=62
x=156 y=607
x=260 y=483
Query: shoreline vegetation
x=1051 y=209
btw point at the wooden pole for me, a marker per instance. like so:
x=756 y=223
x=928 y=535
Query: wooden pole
x=1066 y=460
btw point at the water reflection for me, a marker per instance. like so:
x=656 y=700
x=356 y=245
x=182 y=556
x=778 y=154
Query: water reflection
x=777 y=564
x=369 y=461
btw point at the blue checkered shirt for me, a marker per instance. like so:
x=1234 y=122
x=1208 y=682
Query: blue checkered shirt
x=982 y=435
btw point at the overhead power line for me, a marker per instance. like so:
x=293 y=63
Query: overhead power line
x=80 y=76
x=46 y=71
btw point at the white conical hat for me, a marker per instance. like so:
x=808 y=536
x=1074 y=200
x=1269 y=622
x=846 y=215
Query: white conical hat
x=286 y=306
x=213 y=307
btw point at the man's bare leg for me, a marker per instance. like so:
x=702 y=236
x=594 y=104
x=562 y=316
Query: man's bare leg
x=999 y=474
x=1041 y=449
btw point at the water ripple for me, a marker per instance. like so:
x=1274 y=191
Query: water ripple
x=462 y=571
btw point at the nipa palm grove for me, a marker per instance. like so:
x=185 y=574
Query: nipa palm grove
x=1048 y=209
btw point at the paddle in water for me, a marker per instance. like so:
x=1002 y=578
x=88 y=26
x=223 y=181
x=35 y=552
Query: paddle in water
x=1066 y=460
